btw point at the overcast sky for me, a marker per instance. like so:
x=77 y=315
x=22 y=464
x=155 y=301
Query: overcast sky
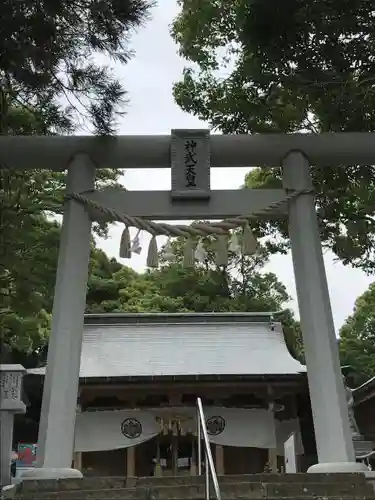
x=149 y=78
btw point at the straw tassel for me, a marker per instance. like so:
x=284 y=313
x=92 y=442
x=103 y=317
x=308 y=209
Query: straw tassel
x=125 y=245
x=222 y=250
x=249 y=244
x=189 y=249
x=152 y=255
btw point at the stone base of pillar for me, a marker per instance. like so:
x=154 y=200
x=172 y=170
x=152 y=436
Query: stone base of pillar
x=370 y=477
x=193 y=469
x=158 y=470
x=338 y=467
x=40 y=473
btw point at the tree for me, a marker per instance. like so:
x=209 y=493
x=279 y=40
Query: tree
x=242 y=281
x=114 y=288
x=49 y=81
x=51 y=60
x=262 y=67
x=357 y=338
x=52 y=80
x=29 y=242
x=27 y=287
x=241 y=286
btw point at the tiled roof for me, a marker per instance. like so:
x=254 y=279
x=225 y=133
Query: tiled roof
x=183 y=345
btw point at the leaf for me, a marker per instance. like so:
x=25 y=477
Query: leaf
x=291 y=66
x=357 y=337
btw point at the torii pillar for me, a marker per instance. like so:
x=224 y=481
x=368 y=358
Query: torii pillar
x=58 y=414
x=330 y=412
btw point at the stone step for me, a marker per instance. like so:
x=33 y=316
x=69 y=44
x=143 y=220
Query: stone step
x=115 y=495
x=228 y=491
x=250 y=478
x=97 y=483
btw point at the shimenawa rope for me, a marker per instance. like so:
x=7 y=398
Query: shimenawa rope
x=197 y=229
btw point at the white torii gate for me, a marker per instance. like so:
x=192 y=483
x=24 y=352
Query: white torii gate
x=190 y=200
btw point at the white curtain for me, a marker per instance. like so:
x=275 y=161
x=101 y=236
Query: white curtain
x=111 y=430
x=238 y=427
x=241 y=427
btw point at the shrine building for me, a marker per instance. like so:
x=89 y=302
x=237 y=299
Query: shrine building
x=140 y=377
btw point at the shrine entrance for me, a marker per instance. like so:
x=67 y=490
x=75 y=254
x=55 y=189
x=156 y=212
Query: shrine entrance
x=167 y=455
x=177 y=455
x=176 y=446
x=190 y=154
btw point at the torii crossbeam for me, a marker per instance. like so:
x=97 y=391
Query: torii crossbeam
x=190 y=198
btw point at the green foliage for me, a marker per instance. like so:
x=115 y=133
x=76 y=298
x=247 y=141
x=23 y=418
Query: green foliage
x=51 y=60
x=242 y=283
x=241 y=286
x=114 y=288
x=270 y=66
x=29 y=241
x=50 y=83
x=27 y=279
x=52 y=80
x=357 y=338
x=45 y=92
x=26 y=283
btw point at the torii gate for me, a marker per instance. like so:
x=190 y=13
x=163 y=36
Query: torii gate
x=190 y=198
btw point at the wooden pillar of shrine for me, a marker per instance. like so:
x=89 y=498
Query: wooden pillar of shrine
x=77 y=455
x=219 y=453
x=219 y=460
x=130 y=461
x=158 y=470
x=272 y=452
x=130 y=453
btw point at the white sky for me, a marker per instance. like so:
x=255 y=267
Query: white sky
x=149 y=78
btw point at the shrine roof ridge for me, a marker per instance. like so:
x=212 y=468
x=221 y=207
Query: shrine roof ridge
x=176 y=318
x=183 y=345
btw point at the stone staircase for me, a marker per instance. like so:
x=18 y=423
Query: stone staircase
x=244 y=487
